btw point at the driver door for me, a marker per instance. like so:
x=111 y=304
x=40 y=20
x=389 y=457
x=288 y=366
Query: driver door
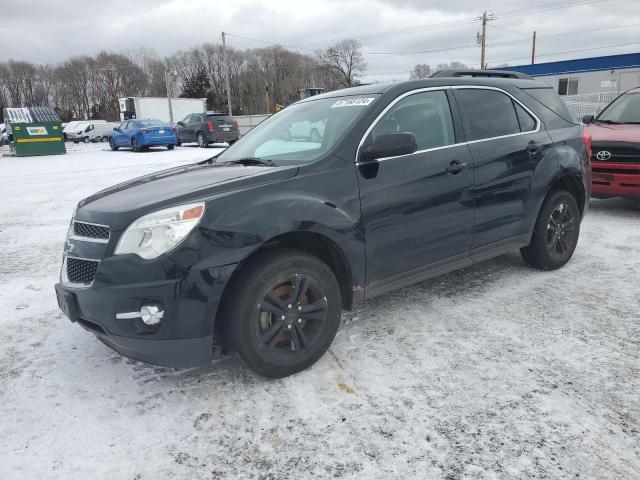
x=417 y=209
x=119 y=137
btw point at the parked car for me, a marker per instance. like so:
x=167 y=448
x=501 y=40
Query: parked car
x=4 y=138
x=307 y=131
x=96 y=132
x=206 y=128
x=142 y=134
x=74 y=131
x=263 y=250
x=615 y=137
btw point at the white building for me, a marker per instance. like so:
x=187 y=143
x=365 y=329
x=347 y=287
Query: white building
x=587 y=84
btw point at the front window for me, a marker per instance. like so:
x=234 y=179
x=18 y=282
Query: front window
x=301 y=133
x=624 y=109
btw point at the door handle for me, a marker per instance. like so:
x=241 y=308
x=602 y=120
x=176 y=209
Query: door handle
x=455 y=167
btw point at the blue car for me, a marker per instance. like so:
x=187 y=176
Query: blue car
x=141 y=134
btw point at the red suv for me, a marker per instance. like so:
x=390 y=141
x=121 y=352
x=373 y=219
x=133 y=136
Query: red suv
x=615 y=144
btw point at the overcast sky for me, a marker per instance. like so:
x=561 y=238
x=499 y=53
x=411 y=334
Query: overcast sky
x=51 y=31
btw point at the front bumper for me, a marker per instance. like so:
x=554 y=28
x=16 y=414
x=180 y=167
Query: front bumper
x=184 y=337
x=616 y=179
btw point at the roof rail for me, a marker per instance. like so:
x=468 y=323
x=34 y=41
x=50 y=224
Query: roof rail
x=480 y=73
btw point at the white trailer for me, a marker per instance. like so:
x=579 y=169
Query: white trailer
x=160 y=108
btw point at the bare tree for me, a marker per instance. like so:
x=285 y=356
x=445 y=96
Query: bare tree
x=344 y=61
x=452 y=66
x=421 y=70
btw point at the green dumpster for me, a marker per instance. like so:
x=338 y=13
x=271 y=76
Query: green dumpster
x=34 y=131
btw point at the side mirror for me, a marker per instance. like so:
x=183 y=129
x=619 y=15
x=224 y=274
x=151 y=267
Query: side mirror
x=180 y=123
x=587 y=119
x=116 y=129
x=390 y=145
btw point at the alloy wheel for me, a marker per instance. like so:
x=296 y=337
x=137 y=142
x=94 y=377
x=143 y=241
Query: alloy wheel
x=561 y=230
x=289 y=319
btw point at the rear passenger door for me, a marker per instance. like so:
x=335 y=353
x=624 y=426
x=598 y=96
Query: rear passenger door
x=507 y=142
x=417 y=209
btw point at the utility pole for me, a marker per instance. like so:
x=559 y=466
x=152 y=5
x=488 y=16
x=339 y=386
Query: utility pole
x=533 y=49
x=483 y=39
x=226 y=72
x=166 y=79
x=266 y=98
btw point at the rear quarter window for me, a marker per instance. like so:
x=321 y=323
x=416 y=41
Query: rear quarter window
x=551 y=106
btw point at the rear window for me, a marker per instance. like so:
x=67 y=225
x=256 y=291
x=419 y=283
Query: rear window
x=550 y=99
x=221 y=118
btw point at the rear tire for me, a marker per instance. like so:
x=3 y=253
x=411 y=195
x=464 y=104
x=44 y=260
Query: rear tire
x=281 y=312
x=112 y=145
x=556 y=232
x=104 y=139
x=170 y=147
x=202 y=142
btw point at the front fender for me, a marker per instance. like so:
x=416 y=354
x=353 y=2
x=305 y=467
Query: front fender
x=322 y=201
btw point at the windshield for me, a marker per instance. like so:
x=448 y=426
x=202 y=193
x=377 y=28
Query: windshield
x=624 y=109
x=301 y=133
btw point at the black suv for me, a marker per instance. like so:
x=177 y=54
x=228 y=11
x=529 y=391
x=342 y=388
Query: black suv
x=263 y=246
x=206 y=128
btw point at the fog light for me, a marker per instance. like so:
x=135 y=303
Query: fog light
x=150 y=314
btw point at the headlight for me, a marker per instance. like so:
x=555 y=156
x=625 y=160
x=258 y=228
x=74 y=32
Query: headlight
x=156 y=233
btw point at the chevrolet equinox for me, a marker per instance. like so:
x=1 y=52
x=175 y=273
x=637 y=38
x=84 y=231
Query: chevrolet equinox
x=263 y=246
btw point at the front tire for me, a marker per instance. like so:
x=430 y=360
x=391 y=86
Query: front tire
x=135 y=146
x=556 y=233
x=282 y=312
x=170 y=147
x=86 y=140
x=112 y=145
x=202 y=142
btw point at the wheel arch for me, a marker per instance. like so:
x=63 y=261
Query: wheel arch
x=314 y=244
x=571 y=184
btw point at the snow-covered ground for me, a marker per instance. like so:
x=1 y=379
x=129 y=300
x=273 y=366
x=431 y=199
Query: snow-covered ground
x=496 y=371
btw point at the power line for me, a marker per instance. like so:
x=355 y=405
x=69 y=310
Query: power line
x=509 y=42
x=570 y=51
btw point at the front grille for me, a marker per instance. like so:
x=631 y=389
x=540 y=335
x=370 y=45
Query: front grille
x=619 y=154
x=90 y=230
x=81 y=271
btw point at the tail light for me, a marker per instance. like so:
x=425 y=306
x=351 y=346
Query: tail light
x=211 y=126
x=586 y=139
x=236 y=125
x=145 y=131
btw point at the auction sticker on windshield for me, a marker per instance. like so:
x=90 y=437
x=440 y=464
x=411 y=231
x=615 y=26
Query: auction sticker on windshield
x=353 y=102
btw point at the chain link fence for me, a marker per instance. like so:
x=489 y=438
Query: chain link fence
x=589 y=103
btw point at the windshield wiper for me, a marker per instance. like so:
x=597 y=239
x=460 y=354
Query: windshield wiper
x=610 y=122
x=252 y=161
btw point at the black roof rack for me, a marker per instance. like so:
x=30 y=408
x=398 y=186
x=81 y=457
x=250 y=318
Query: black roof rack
x=480 y=73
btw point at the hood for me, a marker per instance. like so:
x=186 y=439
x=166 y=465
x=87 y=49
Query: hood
x=603 y=132
x=119 y=205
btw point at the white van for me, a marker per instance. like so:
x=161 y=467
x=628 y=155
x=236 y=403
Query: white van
x=74 y=130
x=96 y=132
